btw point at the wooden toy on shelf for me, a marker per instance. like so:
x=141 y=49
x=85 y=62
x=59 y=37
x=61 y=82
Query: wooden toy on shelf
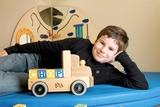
x=74 y=76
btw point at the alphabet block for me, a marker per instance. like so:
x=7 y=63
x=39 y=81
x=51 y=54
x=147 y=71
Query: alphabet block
x=59 y=73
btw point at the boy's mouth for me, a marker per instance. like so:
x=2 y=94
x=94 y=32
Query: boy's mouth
x=100 y=55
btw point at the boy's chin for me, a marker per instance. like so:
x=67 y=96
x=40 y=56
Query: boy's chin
x=101 y=61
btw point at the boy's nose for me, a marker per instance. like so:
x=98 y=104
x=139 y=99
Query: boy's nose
x=103 y=49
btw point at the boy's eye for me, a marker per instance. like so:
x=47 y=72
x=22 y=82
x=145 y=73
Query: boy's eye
x=102 y=42
x=111 y=49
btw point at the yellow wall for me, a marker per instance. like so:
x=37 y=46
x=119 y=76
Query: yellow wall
x=140 y=18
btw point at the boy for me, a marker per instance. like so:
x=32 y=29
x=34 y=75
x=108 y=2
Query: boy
x=109 y=46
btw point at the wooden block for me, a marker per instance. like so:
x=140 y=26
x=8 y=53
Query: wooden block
x=91 y=81
x=75 y=60
x=59 y=73
x=41 y=73
x=81 y=71
x=19 y=105
x=81 y=105
x=50 y=73
x=66 y=63
x=33 y=73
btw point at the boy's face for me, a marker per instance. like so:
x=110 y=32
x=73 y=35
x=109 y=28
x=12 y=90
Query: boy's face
x=104 y=49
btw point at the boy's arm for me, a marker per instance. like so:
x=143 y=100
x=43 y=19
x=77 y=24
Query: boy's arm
x=3 y=53
x=134 y=77
x=34 y=47
x=44 y=47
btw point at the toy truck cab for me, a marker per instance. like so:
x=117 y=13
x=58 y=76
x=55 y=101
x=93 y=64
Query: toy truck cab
x=74 y=76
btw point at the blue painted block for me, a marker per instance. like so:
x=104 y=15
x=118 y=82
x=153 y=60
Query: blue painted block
x=59 y=73
x=41 y=73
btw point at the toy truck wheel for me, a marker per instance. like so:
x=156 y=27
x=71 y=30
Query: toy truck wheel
x=78 y=87
x=39 y=89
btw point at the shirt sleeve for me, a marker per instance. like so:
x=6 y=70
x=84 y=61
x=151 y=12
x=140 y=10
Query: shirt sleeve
x=45 y=47
x=133 y=77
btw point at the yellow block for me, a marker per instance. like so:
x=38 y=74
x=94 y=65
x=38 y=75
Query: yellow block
x=33 y=73
x=81 y=105
x=19 y=105
x=50 y=73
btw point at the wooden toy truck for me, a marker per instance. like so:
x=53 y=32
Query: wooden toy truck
x=74 y=76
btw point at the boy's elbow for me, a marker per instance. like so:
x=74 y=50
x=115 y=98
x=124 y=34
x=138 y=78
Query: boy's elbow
x=143 y=86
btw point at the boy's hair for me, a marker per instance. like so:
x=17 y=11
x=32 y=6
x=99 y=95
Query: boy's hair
x=116 y=33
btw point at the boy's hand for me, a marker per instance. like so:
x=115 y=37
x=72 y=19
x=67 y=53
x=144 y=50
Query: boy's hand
x=113 y=59
x=3 y=53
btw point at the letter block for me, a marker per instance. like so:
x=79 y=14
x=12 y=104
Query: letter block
x=50 y=73
x=41 y=73
x=59 y=73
